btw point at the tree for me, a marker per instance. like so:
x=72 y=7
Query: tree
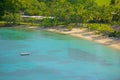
x=11 y=18
x=112 y=2
x=47 y=22
x=2 y=8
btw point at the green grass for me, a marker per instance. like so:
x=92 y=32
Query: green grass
x=103 y=2
x=29 y=24
x=106 y=2
x=2 y=22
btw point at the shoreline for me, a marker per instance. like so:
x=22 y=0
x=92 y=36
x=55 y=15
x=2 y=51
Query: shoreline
x=84 y=33
x=90 y=35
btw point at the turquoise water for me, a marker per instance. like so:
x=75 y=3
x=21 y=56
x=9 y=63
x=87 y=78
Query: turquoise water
x=54 y=57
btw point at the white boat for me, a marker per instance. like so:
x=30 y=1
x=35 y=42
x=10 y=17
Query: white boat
x=24 y=54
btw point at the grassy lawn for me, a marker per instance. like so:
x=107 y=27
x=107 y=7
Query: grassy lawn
x=29 y=24
x=103 y=2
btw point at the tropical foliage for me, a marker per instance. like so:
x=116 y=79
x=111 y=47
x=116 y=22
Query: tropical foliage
x=65 y=12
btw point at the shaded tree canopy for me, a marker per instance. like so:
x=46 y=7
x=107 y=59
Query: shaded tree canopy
x=64 y=10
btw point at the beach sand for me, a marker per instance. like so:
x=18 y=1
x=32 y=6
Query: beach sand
x=90 y=35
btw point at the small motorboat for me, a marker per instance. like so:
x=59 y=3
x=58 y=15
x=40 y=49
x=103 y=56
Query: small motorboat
x=23 y=54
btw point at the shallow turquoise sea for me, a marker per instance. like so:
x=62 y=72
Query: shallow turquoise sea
x=54 y=56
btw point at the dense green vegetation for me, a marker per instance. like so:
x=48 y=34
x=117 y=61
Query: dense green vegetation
x=102 y=2
x=65 y=12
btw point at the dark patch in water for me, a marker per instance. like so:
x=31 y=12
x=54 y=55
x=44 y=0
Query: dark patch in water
x=41 y=58
x=117 y=79
x=78 y=77
x=77 y=54
x=35 y=52
x=65 y=62
x=54 y=51
x=105 y=63
x=81 y=55
x=37 y=70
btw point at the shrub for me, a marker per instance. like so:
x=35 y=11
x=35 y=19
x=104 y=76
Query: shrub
x=8 y=17
x=112 y=34
x=17 y=18
x=105 y=29
x=101 y=28
x=92 y=27
x=31 y=20
x=117 y=34
x=70 y=27
x=47 y=22
x=32 y=12
x=11 y=18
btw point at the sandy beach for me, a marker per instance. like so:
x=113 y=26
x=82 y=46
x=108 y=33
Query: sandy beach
x=90 y=35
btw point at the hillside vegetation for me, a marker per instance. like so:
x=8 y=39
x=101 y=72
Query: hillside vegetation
x=68 y=13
